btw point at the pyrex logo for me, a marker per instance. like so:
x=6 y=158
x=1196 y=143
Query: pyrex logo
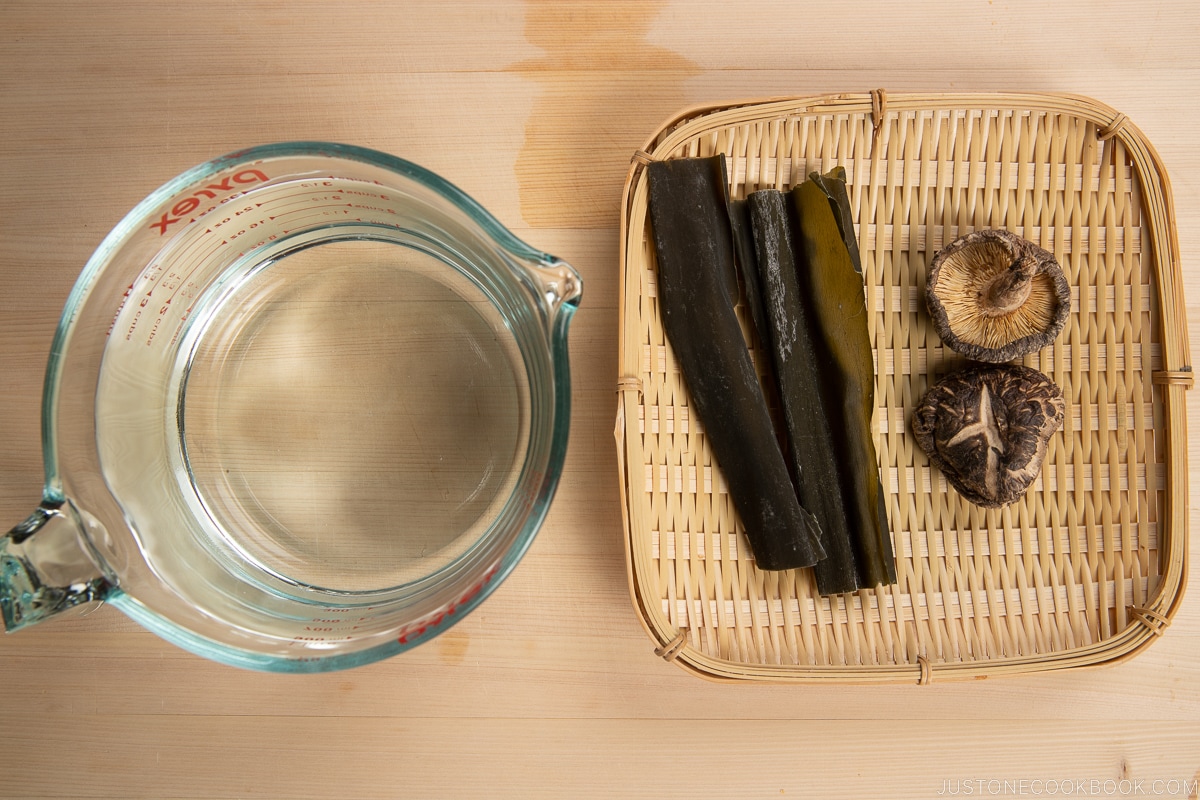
x=189 y=204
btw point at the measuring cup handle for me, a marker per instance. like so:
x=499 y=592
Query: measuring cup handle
x=45 y=568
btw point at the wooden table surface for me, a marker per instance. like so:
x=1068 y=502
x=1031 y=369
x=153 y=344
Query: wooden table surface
x=551 y=688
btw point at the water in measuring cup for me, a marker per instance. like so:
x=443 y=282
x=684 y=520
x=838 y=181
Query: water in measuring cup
x=353 y=415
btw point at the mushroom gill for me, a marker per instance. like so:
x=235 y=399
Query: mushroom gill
x=994 y=297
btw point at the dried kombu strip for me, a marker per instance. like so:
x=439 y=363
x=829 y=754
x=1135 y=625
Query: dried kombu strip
x=810 y=436
x=833 y=186
x=743 y=243
x=689 y=212
x=832 y=284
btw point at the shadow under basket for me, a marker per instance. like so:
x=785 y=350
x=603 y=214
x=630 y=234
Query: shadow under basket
x=1090 y=565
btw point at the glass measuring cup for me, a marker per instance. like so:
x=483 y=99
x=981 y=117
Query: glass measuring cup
x=306 y=406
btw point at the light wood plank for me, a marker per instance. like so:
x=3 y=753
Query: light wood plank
x=315 y=757
x=551 y=688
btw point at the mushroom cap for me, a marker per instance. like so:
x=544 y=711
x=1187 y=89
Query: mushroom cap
x=986 y=427
x=993 y=296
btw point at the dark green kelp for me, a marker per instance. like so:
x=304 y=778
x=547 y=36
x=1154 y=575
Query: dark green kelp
x=831 y=282
x=811 y=445
x=743 y=242
x=689 y=212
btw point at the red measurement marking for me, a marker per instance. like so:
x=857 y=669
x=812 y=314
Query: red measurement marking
x=297 y=218
x=305 y=207
x=187 y=256
x=120 y=308
x=303 y=202
x=533 y=489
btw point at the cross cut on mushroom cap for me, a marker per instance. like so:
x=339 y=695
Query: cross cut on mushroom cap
x=987 y=428
x=994 y=297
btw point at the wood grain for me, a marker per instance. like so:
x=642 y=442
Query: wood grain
x=551 y=688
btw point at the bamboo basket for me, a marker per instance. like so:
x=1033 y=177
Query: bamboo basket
x=1089 y=566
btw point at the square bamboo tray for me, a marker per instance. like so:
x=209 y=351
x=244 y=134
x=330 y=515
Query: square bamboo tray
x=1089 y=566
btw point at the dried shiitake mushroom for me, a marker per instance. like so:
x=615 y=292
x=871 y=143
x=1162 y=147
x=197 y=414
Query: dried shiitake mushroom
x=986 y=428
x=995 y=297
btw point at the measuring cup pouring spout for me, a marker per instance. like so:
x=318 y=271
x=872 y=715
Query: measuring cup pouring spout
x=306 y=407
x=45 y=567
x=558 y=285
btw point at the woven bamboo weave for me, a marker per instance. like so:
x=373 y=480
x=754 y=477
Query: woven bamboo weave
x=1089 y=566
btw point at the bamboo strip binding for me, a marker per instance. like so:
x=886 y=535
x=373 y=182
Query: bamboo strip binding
x=1089 y=566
